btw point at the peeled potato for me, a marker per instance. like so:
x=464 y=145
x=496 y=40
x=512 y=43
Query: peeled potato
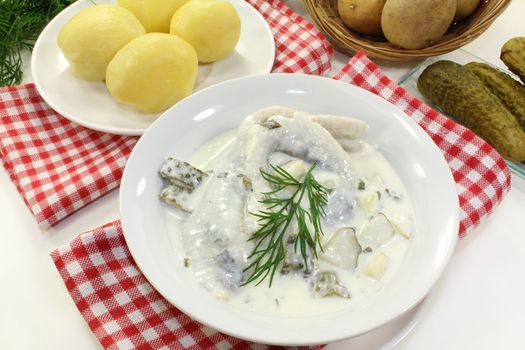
x=212 y=27
x=465 y=8
x=153 y=72
x=363 y=16
x=91 y=38
x=155 y=15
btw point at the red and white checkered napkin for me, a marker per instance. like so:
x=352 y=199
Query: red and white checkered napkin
x=59 y=167
x=300 y=47
x=121 y=307
x=125 y=312
x=482 y=176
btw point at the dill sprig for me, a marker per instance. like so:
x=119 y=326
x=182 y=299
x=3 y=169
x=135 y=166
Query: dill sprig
x=21 y=21
x=269 y=251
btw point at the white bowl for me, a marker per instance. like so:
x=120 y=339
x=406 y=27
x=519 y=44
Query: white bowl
x=197 y=119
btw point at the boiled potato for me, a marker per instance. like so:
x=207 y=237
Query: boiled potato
x=91 y=38
x=155 y=15
x=465 y=8
x=363 y=16
x=415 y=24
x=153 y=72
x=377 y=268
x=212 y=27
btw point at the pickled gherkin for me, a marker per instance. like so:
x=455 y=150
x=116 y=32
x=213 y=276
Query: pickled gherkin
x=513 y=55
x=508 y=90
x=460 y=93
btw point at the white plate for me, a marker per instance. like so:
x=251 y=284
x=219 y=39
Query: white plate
x=90 y=104
x=204 y=115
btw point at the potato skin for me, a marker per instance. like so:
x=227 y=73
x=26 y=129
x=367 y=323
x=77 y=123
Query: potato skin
x=362 y=16
x=465 y=8
x=460 y=93
x=415 y=24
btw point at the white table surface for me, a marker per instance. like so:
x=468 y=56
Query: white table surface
x=479 y=303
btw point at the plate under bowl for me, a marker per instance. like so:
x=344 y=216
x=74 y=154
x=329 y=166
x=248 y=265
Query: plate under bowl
x=206 y=114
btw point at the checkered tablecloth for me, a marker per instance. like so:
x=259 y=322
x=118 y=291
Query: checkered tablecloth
x=300 y=47
x=59 y=167
x=124 y=311
x=121 y=307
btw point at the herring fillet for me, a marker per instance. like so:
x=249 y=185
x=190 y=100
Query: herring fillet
x=215 y=232
x=304 y=136
x=213 y=235
x=314 y=138
x=211 y=239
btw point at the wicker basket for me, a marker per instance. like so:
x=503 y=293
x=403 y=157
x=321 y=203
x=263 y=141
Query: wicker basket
x=324 y=13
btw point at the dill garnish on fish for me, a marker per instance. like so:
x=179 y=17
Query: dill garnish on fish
x=270 y=238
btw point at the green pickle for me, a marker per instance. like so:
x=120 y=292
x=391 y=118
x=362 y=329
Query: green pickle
x=460 y=93
x=513 y=55
x=508 y=90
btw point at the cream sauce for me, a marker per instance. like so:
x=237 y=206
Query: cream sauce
x=292 y=295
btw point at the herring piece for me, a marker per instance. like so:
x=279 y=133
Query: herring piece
x=326 y=284
x=376 y=232
x=342 y=249
x=349 y=132
x=214 y=236
x=181 y=173
x=299 y=137
x=377 y=267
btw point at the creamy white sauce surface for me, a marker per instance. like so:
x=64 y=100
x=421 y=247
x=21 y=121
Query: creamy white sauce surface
x=291 y=295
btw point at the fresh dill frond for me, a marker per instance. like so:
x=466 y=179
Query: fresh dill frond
x=21 y=21
x=269 y=251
